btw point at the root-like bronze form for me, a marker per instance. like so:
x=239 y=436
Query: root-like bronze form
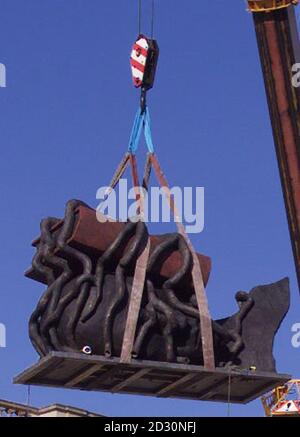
x=150 y=322
x=51 y=306
x=177 y=242
x=245 y=303
x=123 y=238
x=43 y=256
x=165 y=307
x=133 y=252
x=170 y=320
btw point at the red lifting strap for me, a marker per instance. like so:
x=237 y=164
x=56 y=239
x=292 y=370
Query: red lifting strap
x=141 y=268
x=205 y=319
x=139 y=277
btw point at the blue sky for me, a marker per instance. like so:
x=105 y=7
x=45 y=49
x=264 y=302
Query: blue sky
x=66 y=116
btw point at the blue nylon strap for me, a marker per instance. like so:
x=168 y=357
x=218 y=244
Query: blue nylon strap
x=142 y=121
x=147 y=131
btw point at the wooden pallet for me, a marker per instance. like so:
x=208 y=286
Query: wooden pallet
x=149 y=378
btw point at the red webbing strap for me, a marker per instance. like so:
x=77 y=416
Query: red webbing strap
x=147 y=172
x=138 y=279
x=118 y=173
x=205 y=319
x=136 y=184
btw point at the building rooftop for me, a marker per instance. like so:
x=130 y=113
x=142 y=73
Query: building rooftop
x=14 y=409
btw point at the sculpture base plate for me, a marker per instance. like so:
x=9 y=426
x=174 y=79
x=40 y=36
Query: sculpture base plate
x=149 y=378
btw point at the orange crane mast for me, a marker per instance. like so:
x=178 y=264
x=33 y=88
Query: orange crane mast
x=279 y=48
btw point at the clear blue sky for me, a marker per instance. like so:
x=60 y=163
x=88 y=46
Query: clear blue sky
x=66 y=116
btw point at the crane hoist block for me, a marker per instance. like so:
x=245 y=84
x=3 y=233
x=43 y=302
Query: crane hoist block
x=269 y=5
x=143 y=60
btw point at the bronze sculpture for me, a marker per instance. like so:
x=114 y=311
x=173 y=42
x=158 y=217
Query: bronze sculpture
x=88 y=286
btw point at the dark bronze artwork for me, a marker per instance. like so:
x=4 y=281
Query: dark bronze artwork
x=88 y=267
